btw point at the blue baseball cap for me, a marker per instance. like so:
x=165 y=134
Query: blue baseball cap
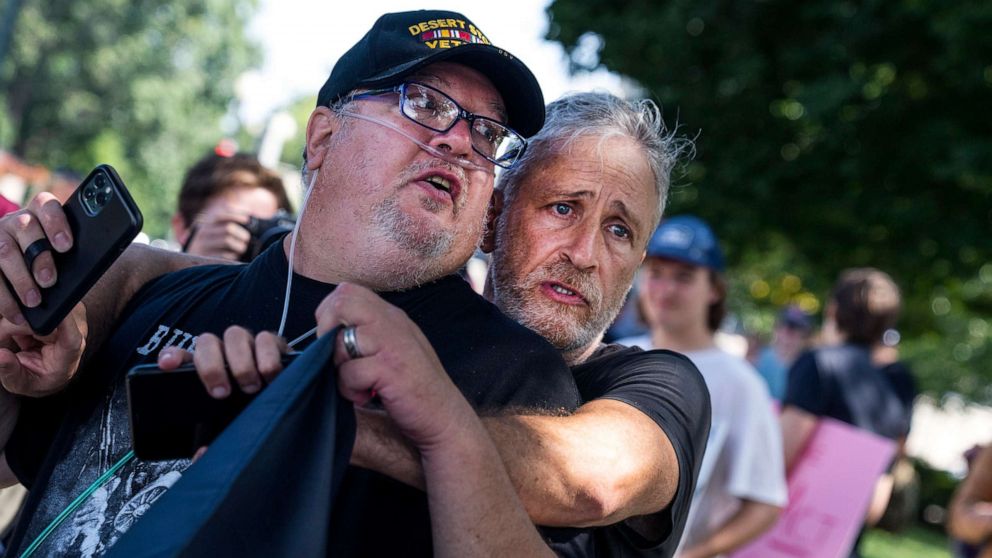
x=793 y=316
x=688 y=239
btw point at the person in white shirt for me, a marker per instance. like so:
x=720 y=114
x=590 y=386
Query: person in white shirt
x=741 y=488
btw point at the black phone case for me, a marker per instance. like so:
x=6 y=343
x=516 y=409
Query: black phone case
x=97 y=241
x=171 y=413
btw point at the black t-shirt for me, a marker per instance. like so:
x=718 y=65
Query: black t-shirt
x=904 y=384
x=61 y=444
x=668 y=388
x=842 y=383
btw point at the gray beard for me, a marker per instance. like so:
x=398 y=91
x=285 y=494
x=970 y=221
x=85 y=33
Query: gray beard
x=556 y=324
x=427 y=245
x=403 y=230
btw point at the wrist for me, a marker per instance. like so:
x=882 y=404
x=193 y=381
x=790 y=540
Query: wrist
x=462 y=437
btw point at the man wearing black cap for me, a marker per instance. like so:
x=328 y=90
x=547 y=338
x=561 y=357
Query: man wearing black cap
x=632 y=449
x=741 y=486
x=400 y=155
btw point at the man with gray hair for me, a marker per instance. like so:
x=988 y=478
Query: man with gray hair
x=568 y=230
x=401 y=148
x=569 y=227
x=574 y=218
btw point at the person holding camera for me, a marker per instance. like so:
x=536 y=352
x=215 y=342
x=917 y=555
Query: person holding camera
x=230 y=207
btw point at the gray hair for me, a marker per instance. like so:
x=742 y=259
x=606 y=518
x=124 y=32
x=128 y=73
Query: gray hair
x=603 y=115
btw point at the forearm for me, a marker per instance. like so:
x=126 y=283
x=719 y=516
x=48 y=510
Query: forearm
x=972 y=522
x=9 y=408
x=971 y=507
x=750 y=521
x=474 y=508
x=797 y=428
x=379 y=446
x=138 y=265
x=603 y=464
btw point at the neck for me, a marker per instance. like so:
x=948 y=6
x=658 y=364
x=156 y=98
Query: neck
x=371 y=261
x=575 y=357
x=691 y=339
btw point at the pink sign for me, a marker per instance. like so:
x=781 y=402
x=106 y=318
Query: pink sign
x=829 y=491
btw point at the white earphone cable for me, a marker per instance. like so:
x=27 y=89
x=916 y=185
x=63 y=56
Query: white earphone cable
x=292 y=254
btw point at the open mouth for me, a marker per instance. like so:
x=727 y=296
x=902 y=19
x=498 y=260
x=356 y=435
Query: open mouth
x=563 y=290
x=440 y=183
x=444 y=183
x=563 y=293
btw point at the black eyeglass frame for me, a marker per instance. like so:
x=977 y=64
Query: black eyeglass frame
x=514 y=151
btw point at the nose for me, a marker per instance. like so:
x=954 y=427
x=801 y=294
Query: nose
x=457 y=141
x=583 y=246
x=662 y=285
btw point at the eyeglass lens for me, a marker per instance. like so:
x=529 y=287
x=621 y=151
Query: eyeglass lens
x=435 y=110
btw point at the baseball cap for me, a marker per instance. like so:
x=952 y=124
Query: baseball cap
x=688 y=239
x=401 y=43
x=794 y=317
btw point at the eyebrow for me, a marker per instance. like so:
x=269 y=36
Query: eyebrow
x=496 y=106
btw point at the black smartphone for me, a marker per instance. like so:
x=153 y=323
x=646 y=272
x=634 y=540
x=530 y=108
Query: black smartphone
x=171 y=413
x=104 y=220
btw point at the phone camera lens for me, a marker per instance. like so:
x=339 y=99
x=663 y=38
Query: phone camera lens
x=89 y=193
x=102 y=198
x=101 y=181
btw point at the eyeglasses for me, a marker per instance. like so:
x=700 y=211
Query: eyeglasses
x=434 y=110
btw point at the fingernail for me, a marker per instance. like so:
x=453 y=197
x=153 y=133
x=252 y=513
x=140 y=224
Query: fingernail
x=32 y=298
x=251 y=388
x=18 y=319
x=61 y=241
x=45 y=276
x=219 y=392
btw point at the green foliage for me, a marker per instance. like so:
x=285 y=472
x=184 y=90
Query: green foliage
x=300 y=111
x=831 y=135
x=936 y=489
x=915 y=543
x=139 y=84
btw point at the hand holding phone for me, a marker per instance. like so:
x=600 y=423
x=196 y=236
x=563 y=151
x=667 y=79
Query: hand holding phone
x=104 y=219
x=46 y=281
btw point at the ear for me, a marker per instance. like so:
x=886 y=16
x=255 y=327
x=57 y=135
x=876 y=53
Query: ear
x=179 y=228
x=495 y=209
x=321 y=126
x=716 y=291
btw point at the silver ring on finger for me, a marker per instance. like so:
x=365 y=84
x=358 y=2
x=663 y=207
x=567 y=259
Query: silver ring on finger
x=350 y=340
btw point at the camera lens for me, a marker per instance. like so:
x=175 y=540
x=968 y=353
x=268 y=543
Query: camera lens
x=102 y=198
x=88 y=193
x=101 y=181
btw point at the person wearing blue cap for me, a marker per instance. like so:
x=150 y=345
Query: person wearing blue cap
x=789 y=339
x=682 y=297
x=630 y=451
x=564 y=267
